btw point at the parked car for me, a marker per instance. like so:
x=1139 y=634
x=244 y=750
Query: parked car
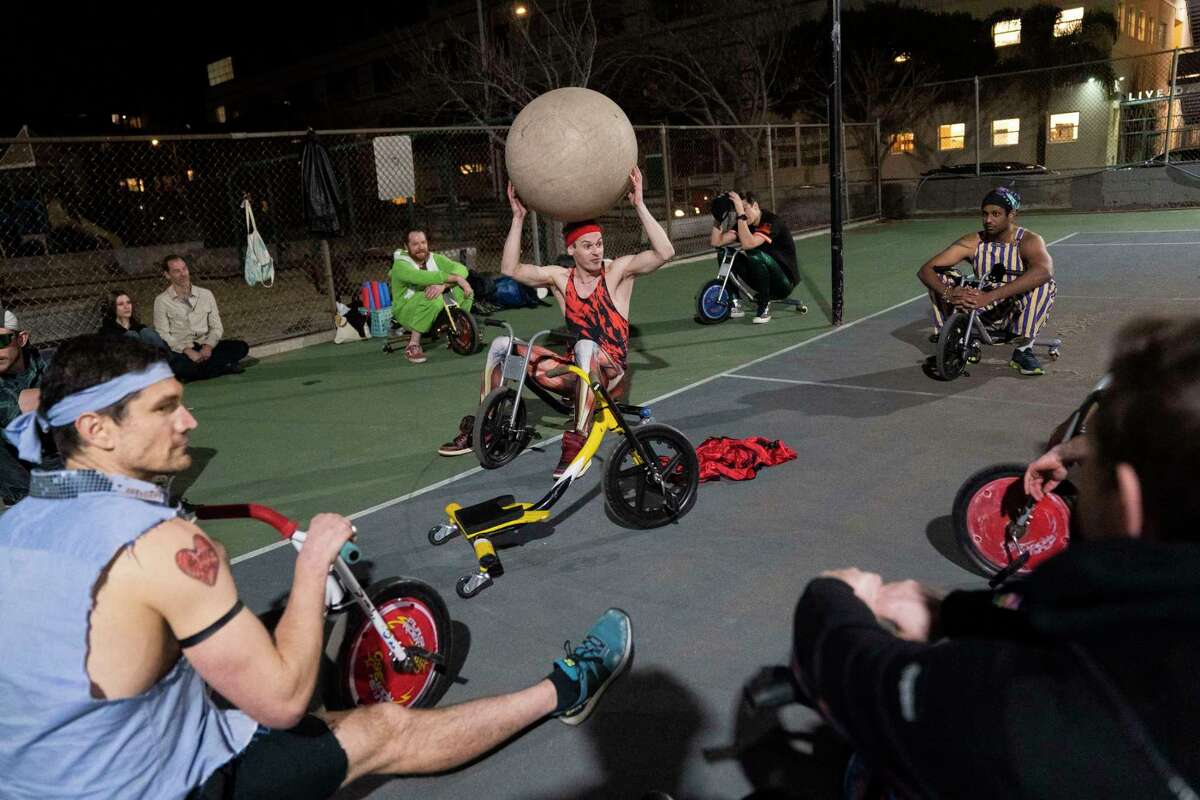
x=988 y=168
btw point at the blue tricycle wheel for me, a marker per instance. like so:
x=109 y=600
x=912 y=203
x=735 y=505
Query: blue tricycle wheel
x=713 y=303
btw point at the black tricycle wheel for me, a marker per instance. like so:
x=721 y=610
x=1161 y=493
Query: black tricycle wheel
x=464 y=338
x=494 y=440
x=416 y=615
x=951 y=355
x=633 y=496
x=714 y=303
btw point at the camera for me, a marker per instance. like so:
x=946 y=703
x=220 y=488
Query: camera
x=721 y=207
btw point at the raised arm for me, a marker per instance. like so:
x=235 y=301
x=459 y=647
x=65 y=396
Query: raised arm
x=741 y=230
x=510 y=261
x=185 y=577
x=661 y=250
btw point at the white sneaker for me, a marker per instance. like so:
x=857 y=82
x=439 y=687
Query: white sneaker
x=736 y=312
x=763 y=318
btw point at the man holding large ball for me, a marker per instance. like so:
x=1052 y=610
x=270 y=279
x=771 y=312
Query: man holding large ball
x=594 y=294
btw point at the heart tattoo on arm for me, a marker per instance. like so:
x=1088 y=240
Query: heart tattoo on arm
x=200 y=562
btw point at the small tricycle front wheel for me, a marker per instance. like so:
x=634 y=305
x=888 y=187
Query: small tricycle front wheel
x=987 y=506
x=714 y=303
x=463 y=338
x=416 y=615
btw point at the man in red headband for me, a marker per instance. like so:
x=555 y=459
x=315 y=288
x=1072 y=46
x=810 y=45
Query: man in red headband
x=594 y=295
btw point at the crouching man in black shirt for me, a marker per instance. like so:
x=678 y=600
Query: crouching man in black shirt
x=1077 y=683
x=767 y=263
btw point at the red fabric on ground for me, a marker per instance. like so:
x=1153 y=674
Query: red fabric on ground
x=740 y=459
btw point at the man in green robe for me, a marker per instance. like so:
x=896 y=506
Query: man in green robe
x=418 y=278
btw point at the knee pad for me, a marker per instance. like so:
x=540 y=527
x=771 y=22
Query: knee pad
x=585 y=354
x=496 y=353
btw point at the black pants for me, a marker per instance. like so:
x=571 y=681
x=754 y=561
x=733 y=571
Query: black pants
x=302 y=763
x=226 y=354
x=14 y=473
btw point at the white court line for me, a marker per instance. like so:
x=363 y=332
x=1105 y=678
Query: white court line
x=727 y=373
x=884 y=390
x=1128 y=244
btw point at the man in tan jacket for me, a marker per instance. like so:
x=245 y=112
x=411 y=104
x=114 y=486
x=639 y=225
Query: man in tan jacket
x=187 y=319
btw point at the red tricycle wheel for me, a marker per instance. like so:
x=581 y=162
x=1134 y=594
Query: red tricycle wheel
x=990 y=501
x=416 y=616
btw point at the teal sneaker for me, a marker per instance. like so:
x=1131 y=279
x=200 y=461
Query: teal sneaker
x=603 y=654
x=1025 y=362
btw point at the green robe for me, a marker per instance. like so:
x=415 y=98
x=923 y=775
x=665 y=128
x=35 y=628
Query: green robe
x=410 y=307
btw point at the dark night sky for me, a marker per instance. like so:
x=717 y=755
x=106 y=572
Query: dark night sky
x=60 y=63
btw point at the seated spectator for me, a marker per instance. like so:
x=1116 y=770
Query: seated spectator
x=21 y=371
x=118 y=319
x=187 y=319
x=122 y=619
x=418 y=279
x=1076 y=683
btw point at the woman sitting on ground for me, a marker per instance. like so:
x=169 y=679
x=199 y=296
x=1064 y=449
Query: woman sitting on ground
x=118 y=320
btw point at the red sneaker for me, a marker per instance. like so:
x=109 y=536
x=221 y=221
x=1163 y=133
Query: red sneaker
x=460 y=445
x=572 y=443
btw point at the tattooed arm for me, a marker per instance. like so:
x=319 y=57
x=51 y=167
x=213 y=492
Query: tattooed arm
x=187 y=580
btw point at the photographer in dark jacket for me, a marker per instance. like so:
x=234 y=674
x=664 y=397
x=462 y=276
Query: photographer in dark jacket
x=1079 y=682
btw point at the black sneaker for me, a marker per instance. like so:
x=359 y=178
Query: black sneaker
x=1025 y=362
x=460 y=445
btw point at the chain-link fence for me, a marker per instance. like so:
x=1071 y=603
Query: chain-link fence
x=82 y=217
x=1123 y=133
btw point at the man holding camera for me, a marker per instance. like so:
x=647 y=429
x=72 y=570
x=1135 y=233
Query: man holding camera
x=767 y=263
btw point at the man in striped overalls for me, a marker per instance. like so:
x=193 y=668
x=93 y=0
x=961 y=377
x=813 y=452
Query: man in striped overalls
x=1019 y=306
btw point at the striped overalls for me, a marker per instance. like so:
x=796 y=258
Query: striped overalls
x=1023 y=315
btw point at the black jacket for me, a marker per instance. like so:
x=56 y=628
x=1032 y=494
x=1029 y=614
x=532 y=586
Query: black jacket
x=1071 y=684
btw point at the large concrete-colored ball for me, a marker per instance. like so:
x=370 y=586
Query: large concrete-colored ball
x=569 y=153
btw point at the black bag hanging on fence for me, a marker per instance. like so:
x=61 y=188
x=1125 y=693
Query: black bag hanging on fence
x=318 y=182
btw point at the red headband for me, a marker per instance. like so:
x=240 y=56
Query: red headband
x=570 y=236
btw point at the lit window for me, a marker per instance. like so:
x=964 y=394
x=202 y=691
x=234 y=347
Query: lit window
x=1141 y=26
x=1130 y=21
x=116 y=118
x=135 y=122
x=191 y=173
x=903 y=142
x=1064 y=127
x=1162 y=34
x=471 y=169
x=1120 y=17
x=220 y=71
x=1150 y=26
x=1070 y=20
x=1005 y=132
x=952 y=136
x=220 y=113
x=135 y=184
x=1006 y=32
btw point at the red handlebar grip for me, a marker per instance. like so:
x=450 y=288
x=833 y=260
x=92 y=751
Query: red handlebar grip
x=270 y=516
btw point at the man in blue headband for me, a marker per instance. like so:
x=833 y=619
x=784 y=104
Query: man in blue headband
x=1017 y=308
x=117 y=612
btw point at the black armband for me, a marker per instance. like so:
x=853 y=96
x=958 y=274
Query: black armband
x=197 y=638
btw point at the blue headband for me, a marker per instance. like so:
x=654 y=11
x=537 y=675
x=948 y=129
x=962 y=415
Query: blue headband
x=23 y=431
x=1004 y=197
